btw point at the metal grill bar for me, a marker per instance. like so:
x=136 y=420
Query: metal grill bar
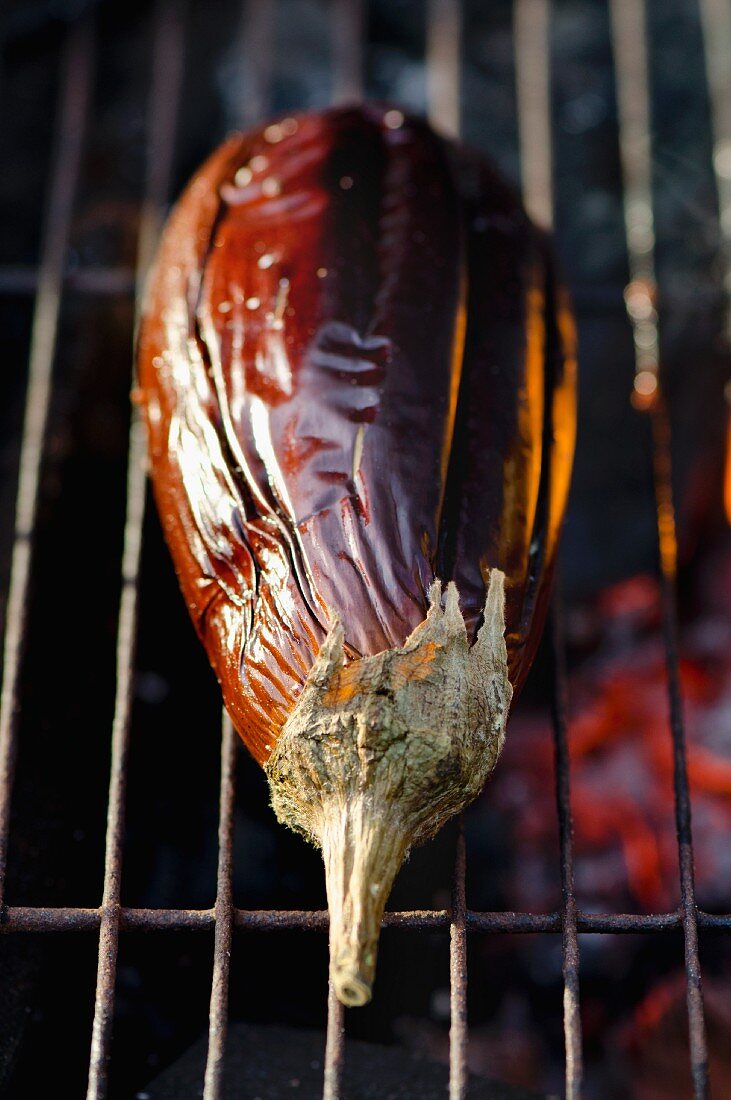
x=628 y=22
x=696 y=1020
x=443 y=85
x=37 y=919
x=100 y=280
x=571 y=1007
x=458 y=977
x=166 y=74
x=533 y=92
x=75 y=79
x=334 y=1046
x=629 y=48
x=443 y=65
x=223 y=917
x=255 y=48
x=716 y=23
x=22 y=279
x=348 y=37
x=533 y=89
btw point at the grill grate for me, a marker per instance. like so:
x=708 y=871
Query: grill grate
x=532 y=54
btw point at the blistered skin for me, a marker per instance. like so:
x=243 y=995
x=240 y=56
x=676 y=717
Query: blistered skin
x=513 y=451
x=356 y=378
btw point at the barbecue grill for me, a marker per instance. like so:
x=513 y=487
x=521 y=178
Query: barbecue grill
x=62 y=284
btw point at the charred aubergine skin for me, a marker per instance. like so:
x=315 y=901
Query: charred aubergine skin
x=358 y=377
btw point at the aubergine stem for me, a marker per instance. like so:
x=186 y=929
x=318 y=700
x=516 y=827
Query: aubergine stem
x=380 y=752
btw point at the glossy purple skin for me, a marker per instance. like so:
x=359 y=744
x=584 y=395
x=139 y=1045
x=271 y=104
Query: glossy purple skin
x=358 y=377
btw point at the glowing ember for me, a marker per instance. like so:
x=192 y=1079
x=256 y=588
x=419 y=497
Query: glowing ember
x=622 y=766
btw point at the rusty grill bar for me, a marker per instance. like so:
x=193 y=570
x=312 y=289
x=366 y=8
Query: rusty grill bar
x=24 y=918
x=164 y=93
x=223 y=917
x=76 y=67
x=533 y=84
x=629 y=44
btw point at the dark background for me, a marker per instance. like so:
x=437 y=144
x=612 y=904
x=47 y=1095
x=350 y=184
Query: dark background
x=57 y=845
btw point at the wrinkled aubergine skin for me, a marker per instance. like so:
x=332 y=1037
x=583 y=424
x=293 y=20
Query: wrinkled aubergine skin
x=358 y=375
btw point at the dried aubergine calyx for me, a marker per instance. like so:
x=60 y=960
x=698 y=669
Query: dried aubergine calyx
x=358 y=379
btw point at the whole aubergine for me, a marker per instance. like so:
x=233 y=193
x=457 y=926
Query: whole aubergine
x=359 y=384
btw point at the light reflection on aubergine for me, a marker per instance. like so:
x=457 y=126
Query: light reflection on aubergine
x=357 y=377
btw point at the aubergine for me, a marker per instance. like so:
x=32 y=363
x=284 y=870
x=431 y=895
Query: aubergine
x=358 y=376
